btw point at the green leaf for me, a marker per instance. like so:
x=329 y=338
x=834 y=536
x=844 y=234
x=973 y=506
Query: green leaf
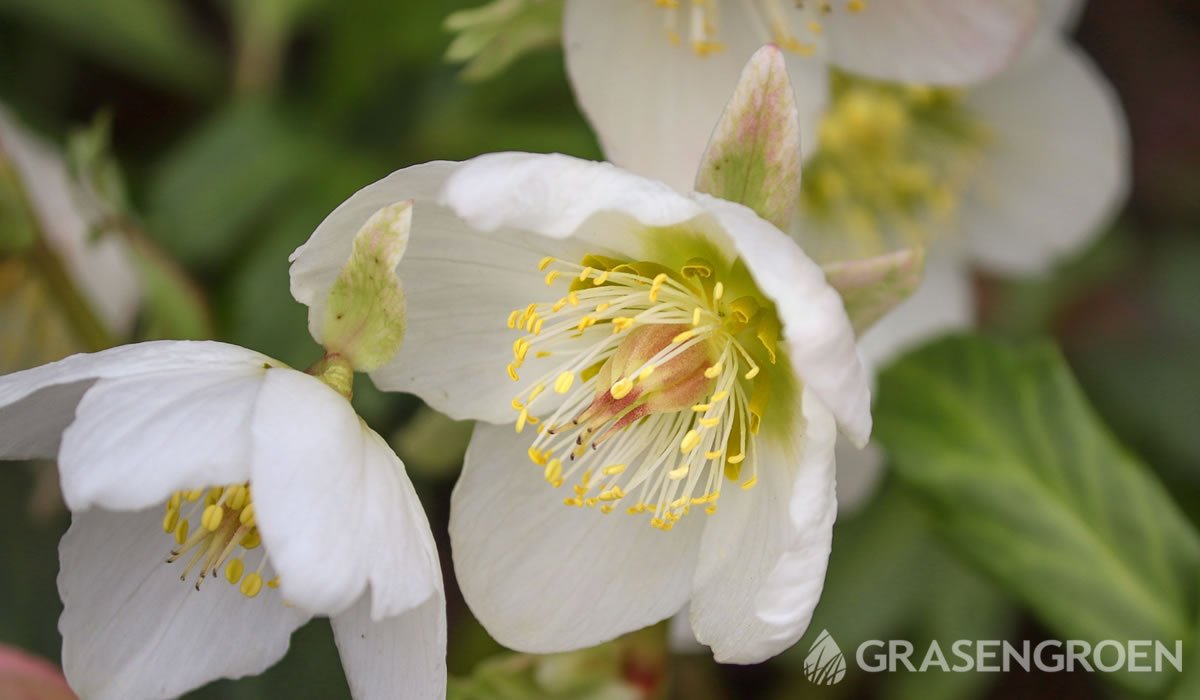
x=754 y=155
x=210 y=191
x=148 y=37
x=1030 y=488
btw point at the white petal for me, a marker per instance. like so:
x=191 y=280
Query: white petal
x=930 y=41
x=559 y=196
x=542 y=577
x=1058 y=166
x=653 y=103
x=131 y=629
x=1056 y=18
x=334 y=506
x=460 y=285
x=137 y=439
x=38 y=404
x=402 y=657
x=103 y=269
x=819 y=337
x=944 y=302
x=764 y=555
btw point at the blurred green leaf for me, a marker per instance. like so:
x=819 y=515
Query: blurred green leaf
x=1029 y=487
x=18 y=231
x=490 y=37
x=150 y=38
x=431 y=444
x=207 y=193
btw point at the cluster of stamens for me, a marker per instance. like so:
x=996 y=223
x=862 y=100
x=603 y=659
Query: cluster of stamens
x=655 y=387
x=794 y=26
x=225 y=533
x=892 y=164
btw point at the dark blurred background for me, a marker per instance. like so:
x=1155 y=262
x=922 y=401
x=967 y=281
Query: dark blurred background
x=240 y=125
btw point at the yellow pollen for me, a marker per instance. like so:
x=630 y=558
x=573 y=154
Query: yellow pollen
x=551 y=276
x=252 y=585
x=614 y=470
x=720 y=396
x=678 y=473
x=689 y=441
x=587 y=271
x=695 y=317
x=512 y=373
x=736 y=459
x=715 y=454
x=714 y=371
x=621 y=323
x=656 y=285
x=684 y=336
x=752 y=373
x=710 y=422
x=212 y=517
x=563 y=384
x=621 y=389
x=718 y=291
x=750 y=483
x=522 y=419
x=600 y=279
x=544 y=263
x=233 y=570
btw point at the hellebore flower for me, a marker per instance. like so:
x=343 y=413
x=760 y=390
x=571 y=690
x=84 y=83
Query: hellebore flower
x=660 y=71
x=231 y=466
x=639 y=358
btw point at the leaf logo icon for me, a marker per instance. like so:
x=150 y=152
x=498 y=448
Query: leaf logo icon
x=824 y=664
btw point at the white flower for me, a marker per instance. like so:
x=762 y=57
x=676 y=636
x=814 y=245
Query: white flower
x=228 y=465
x=659 y=354
x=101 y=267
x=659 y=72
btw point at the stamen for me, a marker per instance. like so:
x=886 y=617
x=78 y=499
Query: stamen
x=227 y=525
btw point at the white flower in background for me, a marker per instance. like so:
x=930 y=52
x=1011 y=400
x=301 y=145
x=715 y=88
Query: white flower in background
x=221 y=499
x=100 y=267
x=638 y=358
x=1012 y=174
x=652 y=75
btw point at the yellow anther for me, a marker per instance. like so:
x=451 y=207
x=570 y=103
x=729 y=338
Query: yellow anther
x=512 y=318
x=512 y=373
x=252 y=539
x=233 y=570
x=558 y=306
x=585 y=323
x=563 y=383
x=720 y=396
x=211 y=520
x=247 y=516
x=815 y=27
x=678 y=473
x=573 y=298
x=620 y=323
x=710 y=510
x=645 y=373
x=536 y=391
x=701 y=407
x=587 y=271
x=522 y=419
x=656 y=285
x=606 y=509
x=537 y=326
x=600 y=279
x=181 y=532
x=636 y=510
x=614 y=469
x=551 y=276
x=736 y=459
x=586 y=481
x=695 y=316
x=252 y=584
x=170 y=520
x=601 y=308
x=577 y=502
x=710 y=422
x=544 y=263
x=239 y=497
x=684 y=336
x=621 y=389
x=750 y=482
x=542 y=354
x=517 y=405
x=591 y=502
x=553 y=471
x=714 y=454
x=537 y=456
x=680 y=502
x=175 y=500
x=714 y=371
x=194 y=495
x=610 y=495
x=752 y=373
x=273 y=583
x=718 y=291
x=856 y=5
x=689 y=441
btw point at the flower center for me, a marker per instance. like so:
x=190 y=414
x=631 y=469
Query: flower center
x=655 y=384
x=226 y=533
x=794 y=26
x=892 y=164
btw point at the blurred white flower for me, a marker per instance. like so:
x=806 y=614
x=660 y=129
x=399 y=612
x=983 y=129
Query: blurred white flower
x=100 y=267
x=663 y=352
x=227 y=464
x=652 y=75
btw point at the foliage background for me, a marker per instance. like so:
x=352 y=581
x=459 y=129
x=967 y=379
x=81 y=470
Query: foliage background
x=240 y=123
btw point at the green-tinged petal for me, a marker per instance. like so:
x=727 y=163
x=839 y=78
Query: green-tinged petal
x=872 y=287
x=754 y=155
x=363 y=314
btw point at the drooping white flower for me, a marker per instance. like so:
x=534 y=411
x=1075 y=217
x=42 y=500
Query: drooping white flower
x=658 y=72
x=639 y=357
x=100 y=267
x=221 y=499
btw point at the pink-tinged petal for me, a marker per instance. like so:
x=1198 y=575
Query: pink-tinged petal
x=27 y=677
x=872 y=287
x=938 y=42
x=753 y=157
